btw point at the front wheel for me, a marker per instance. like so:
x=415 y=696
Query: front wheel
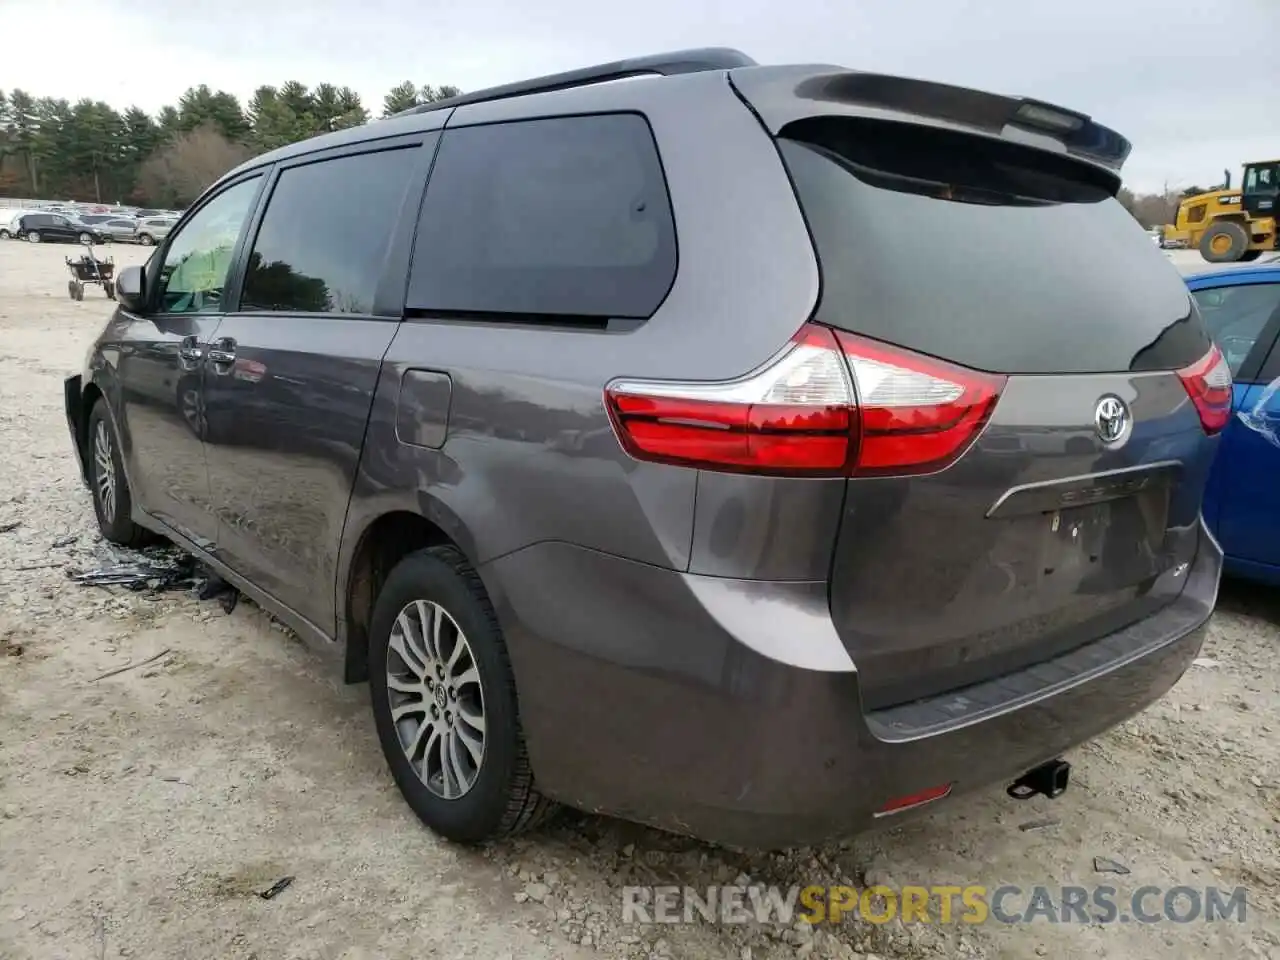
x=85 y=239
x=33 y=236
x=444 y=701
x=145 y=239
x=5 y=235
x=1224 y=242
x=112 y=501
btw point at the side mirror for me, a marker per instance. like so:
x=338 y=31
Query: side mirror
x=129 y=291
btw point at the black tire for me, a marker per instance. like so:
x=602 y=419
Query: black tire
x=71 y=289
x=79 y=291
x=109 y=289
x=1250 y=255
x=33 y=236
x=146 y=239
x=116 y=525
x=5 y=235
x=502 y=800
x=1237 y=242
x=85 y=238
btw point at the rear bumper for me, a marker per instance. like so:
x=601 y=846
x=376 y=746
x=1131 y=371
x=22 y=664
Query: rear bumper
x=638 y=701
x=72 y=398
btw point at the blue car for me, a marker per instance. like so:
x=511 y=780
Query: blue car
x=1242 y=501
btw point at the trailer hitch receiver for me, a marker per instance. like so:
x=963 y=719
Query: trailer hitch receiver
x=1048 y=780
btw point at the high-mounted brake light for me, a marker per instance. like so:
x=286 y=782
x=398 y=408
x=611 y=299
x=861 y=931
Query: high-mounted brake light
x=828 y=404
x=1208 y=383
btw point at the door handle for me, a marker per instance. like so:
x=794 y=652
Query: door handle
x=189 y=352
x=222 y=353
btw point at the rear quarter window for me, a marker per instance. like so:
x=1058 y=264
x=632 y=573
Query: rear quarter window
x=984 y=253
x=567 y=216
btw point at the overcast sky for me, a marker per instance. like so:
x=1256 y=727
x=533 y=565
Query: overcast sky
x=1195 y=84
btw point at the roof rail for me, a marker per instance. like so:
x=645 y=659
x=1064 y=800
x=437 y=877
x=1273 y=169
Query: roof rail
x=662 y=64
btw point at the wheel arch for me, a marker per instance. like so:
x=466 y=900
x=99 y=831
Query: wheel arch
x=88 y=397
x=380 y=539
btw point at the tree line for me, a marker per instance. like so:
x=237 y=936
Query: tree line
x=89 y=151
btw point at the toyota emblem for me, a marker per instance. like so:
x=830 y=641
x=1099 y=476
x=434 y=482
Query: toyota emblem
x=1111 y=419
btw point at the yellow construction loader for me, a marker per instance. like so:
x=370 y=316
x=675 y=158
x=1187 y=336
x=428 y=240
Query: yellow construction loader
x=1229 y=225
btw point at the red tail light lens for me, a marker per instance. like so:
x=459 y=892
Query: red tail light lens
x=1208 y=384
x=790 y=417
x=829 y=404
x=918 y=414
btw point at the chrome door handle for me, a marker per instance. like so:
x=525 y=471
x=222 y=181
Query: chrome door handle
x=222 y=352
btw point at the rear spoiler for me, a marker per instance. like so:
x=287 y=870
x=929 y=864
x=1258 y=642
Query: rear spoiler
x=780 y=95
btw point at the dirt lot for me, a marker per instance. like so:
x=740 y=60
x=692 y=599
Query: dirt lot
x=141 y=814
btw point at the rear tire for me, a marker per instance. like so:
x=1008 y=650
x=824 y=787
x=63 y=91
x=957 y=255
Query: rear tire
x=1224 y=242
x=494 y=796
x=71 y=289
x=109 y=289
x=145 y=239
x=5 y=235
x=112 y=500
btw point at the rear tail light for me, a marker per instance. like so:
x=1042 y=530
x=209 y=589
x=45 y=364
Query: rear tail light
x=1208 y=383
x=828 y=404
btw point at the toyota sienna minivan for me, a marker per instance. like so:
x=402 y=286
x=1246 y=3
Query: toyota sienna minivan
x=754 y=452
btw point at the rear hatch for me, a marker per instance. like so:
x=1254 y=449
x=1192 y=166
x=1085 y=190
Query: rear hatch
x=1037 y=394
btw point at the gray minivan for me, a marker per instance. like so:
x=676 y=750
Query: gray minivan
x=633 y=445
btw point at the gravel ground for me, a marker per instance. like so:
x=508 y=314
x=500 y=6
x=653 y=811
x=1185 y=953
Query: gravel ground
x=140 y=814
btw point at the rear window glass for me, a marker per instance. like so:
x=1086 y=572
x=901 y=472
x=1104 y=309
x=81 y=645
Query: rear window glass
x=567 y=216
x=985 y=253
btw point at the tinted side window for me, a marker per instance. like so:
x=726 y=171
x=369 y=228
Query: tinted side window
x=1236 y=317
x=323 y=238
x=565 y=216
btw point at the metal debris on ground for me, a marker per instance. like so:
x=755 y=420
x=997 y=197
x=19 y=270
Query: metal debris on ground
x=157 y=568
x=10 y=525
x=1106 y=865
x=66 y=541
x=132 y=666
x=215 y=588
x=276 y=888
x=1037 y=825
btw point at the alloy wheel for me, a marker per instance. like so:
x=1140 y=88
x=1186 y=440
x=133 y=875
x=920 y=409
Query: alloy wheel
x=436 y=701
x=105 y=472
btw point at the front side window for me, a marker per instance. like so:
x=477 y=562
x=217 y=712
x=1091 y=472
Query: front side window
x=193 y=275
x=1262 y=179
x=566 y=216
x=1236 y=317
x=325 y=233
